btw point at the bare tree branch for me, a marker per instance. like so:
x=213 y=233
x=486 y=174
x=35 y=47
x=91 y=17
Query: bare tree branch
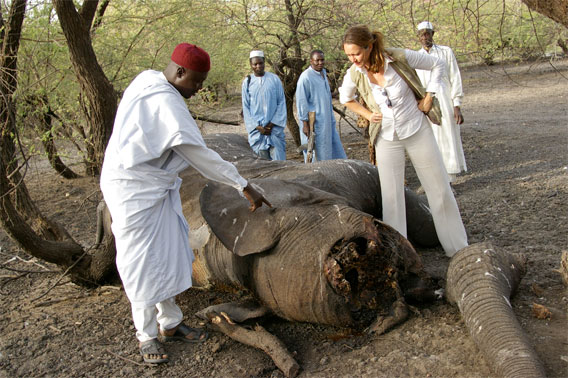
x=87 y=13
x=99 y=16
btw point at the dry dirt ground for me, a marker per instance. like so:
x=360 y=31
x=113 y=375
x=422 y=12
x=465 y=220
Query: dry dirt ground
x=514 y=194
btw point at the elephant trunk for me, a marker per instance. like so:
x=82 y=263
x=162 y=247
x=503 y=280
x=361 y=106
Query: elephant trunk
x=480 y=281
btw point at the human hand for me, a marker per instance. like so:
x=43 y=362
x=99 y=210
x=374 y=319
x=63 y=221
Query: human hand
x=255 y=198
x=426 y=103
x=375 y=117
x=306 y=129
x=268 y=128
x=458 y=115
x=264 y=130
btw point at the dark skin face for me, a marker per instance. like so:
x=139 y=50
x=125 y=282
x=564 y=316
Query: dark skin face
x=426 y=37
x=257 y=65
x=317 y=61
x=186 y=81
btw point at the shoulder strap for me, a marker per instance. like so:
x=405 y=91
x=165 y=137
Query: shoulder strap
x=396 y=54
x=407 y=73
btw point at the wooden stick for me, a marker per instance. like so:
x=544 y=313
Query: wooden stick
x=258 y=338
x=213 y=120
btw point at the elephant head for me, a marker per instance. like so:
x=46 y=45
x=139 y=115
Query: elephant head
x=321 y=254
x=312 y=257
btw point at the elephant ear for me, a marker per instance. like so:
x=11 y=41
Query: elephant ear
x=244 y=232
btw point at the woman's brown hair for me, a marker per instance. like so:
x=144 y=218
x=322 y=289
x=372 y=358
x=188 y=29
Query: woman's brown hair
x=361 y=36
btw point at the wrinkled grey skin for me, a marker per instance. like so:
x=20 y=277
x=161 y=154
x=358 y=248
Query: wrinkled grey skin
x=317 y=208
x=354 y=180
x=480 y=282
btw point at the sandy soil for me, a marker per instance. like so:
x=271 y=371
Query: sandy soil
x=515 y=194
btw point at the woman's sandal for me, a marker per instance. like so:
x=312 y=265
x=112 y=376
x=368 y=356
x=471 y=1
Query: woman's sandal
x=153 y=352
x=184 y=333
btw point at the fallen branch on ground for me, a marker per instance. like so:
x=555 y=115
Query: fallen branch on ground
x=258 y=338
x=213 y=120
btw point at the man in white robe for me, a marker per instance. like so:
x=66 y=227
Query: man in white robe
x=450 y=96
x=154 y=138
x=264 y=110
x=314 y=95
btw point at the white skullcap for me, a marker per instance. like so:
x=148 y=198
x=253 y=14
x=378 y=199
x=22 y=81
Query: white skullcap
x=256 y=53
x=425 y=25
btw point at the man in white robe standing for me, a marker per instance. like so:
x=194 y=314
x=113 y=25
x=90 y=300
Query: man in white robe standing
x=450 y=96
x=264 y=110
x=314 y=95
x=154 y=138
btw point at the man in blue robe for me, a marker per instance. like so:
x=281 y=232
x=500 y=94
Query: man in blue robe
x=264 y=110
x=313 y=95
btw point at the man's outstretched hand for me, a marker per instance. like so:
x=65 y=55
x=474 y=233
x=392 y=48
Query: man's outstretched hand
x=255 y=198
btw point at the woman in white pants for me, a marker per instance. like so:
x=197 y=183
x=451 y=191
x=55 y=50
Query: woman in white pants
x=398 y=125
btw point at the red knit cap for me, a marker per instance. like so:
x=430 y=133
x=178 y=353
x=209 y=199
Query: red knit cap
x=191 y=57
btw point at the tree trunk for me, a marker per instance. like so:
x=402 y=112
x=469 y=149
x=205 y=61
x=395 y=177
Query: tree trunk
x=289 y=71
x=291 y=122
x=563 y=45
x=289 y=68
x=47 y=140
x=556 y=10
x=19 y=216
x=101 y=99
x=14 y=188
x=51 y=149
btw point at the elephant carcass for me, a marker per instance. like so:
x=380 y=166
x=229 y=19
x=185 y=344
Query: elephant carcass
x=320 y=254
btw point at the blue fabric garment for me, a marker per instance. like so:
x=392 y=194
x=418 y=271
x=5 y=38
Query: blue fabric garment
x=264 y=102
x=313 y=94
